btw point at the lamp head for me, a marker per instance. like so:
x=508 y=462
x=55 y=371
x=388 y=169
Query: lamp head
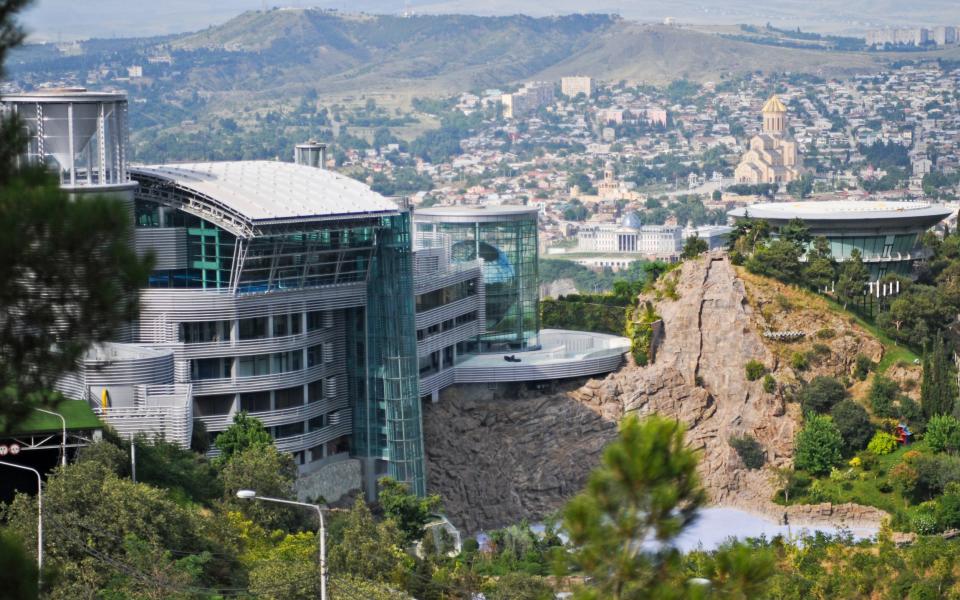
x=246 y=494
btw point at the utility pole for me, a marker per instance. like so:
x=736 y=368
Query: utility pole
x=63 y=439
x=133 y=459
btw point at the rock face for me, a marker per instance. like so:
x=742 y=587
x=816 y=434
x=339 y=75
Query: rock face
x=699 y=377
x=495 y=461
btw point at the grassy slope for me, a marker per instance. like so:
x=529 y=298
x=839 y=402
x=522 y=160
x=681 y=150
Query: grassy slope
x=893 y=352
x=864 y=486
x=344 y=54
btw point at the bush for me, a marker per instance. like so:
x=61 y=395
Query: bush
x=868 y=460
x=854 y=425
x=821 y=394
x=818 y=493
x=820 y=349
x=883 y=391
x=904 y=478
x=749 y=450
x=908 y=410
x=769 y=383
x=799 y=361
x=862 y=367
x=948 y=509
x=923 y=522
x=818 y=445
x=882 y=443
x=934 y=473
x=826 y=333
x=755 y=370
x=943 y=433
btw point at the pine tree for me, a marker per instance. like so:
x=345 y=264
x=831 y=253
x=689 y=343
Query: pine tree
x=853 y=278
x=937 y=388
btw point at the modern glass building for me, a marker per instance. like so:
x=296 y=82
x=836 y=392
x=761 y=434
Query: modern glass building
x=504 y=239
x=302 y=297
x=887 y=234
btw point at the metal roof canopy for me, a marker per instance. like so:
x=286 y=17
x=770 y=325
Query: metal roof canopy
x=245 y=197
x=860 y=211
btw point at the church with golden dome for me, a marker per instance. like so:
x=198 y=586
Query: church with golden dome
x=772 y=157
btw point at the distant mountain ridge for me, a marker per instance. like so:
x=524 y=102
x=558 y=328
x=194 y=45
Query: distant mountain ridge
x=284 y=51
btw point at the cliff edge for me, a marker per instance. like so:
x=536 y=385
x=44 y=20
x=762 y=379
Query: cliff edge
x=499 y=457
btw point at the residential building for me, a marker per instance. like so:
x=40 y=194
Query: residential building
x=576 y=85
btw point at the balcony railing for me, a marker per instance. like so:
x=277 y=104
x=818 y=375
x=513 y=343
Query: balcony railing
x=263 y=383
x=284 y=416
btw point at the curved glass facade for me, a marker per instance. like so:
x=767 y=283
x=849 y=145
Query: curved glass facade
x=506 y=241
x=303 y=256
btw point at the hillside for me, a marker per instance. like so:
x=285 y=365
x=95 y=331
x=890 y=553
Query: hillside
x=49 y=21
x=281 y=53
x=533 y=450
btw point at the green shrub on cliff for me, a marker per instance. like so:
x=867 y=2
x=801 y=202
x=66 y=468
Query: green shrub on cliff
x=640 y=332
x=755 y=370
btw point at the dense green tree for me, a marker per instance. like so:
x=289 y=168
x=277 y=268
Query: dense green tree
x=746 y=234
x=937 y=387
x=268 y=472
x=68 y=279
x=915 y=317
x=818 y=445
x=288 y=570
x=245 y=432
x=853 y=278
x=646 y=486
x=167 y=465
x=801 y=188
x=797 y=232
x=369 y=550
x=410 y=512
x=749 y=450
x=821 y=269
x=943 y=433
x=18 y=570
x=882 y=394
x=693 y=247
x=101 y=530
x=779 y=259
x=646 y=489
x=519 y=586
x=854 y=425
x=821 y=394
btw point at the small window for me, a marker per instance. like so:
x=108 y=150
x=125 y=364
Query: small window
x=253 y=329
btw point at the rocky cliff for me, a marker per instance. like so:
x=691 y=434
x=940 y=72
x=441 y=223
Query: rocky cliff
x=523 y=454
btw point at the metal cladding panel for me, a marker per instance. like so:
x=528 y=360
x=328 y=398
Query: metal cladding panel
x=161 y=309
x=156 y=369
x=449 y=311
x=334 y=336
x=168 y=244
x=263 y=383
x=467 y=331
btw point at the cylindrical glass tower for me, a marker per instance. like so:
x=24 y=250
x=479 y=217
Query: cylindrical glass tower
x=504 y=238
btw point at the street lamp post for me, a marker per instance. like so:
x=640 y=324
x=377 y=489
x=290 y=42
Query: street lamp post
x=63 y=439
x=252 y=495
x=39 y=518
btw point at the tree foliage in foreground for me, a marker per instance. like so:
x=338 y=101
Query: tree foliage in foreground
x=643 y=495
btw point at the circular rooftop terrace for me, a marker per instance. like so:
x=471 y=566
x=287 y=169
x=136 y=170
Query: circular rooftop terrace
x=845 y=210
x=476 y=214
